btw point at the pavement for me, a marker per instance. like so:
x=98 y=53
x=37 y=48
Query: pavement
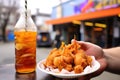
x=7 y=53
x=7 y=56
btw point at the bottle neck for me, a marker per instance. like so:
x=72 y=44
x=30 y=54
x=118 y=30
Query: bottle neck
x=26 y=14
x=25 y=23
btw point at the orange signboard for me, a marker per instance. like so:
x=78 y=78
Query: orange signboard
x=86 y=16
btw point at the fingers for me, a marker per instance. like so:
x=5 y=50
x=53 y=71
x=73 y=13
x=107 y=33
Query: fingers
x=84 y=45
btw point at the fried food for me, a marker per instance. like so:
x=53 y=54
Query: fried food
x=78 y=69
x=69 y=57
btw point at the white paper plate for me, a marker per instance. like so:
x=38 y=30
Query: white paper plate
x=87 y=70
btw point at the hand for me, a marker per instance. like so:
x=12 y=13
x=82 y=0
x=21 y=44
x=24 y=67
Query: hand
x=97 y=52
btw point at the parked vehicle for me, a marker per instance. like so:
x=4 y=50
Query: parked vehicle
x=44 y=39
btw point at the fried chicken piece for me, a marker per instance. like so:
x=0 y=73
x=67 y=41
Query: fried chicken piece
x=59 y=63
x=80 y=59
x=78 y=69
x=49 y=61
x=68 y=59
x=75 y=47
x=69 y=67
x=89 y=60
x=67 y=55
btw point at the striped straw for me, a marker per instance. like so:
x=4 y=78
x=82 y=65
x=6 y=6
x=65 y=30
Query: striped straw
x=26 y=13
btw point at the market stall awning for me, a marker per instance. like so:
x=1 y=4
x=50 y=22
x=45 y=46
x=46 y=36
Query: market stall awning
x=86 y=16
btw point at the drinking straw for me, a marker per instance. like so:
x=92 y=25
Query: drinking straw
x=25 y=4
x=26 y=14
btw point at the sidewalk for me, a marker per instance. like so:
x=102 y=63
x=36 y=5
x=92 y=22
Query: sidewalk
x=7 y=52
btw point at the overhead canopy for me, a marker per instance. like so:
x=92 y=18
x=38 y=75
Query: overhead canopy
x=86 y=16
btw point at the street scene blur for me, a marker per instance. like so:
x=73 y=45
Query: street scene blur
x=95 y=21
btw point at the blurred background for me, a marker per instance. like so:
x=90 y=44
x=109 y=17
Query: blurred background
x=96 y=21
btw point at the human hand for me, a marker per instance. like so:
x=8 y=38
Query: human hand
x=97 y=52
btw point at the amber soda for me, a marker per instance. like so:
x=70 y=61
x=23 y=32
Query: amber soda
x=25 y=44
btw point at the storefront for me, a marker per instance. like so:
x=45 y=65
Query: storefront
x=96 y=21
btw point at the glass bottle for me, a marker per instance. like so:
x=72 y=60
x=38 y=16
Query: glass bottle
x=25 y=76
x=25 y=33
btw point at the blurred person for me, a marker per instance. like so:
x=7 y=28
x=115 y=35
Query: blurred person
x=100 y=40
x=57 y=41
x=109 y=59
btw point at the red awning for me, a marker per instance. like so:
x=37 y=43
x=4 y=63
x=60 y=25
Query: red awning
x=86 y=16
